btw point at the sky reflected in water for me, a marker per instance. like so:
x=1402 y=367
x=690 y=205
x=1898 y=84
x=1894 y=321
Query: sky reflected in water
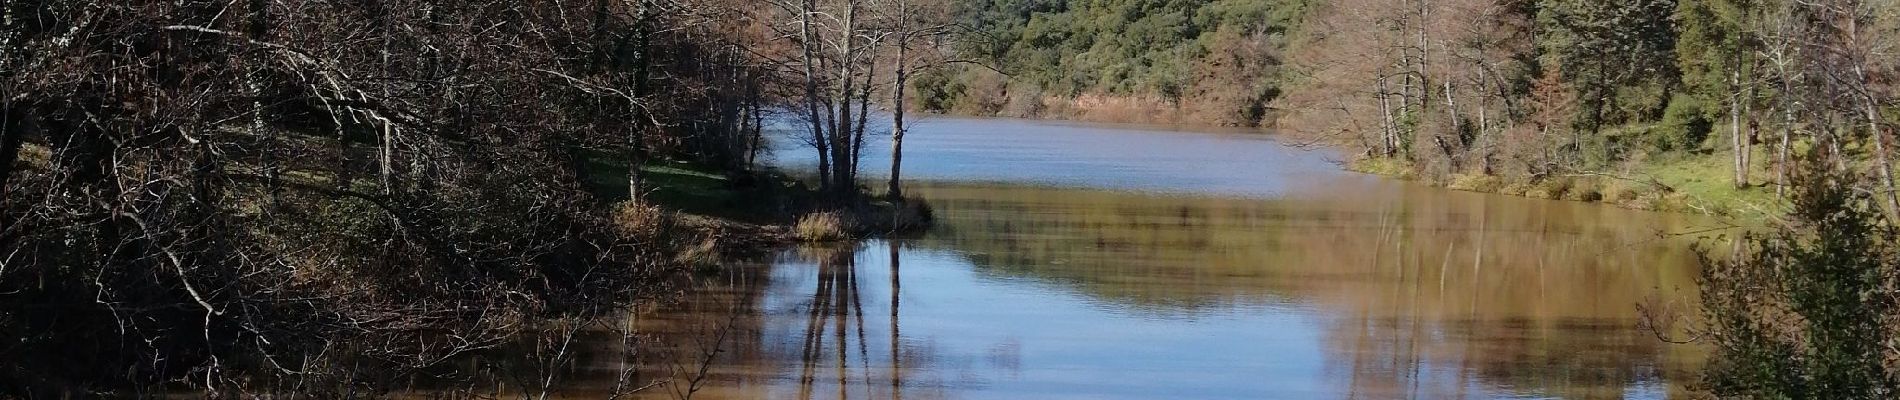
x=1129 y=263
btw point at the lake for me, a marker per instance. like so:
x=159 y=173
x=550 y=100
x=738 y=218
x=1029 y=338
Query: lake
x=1103 y=262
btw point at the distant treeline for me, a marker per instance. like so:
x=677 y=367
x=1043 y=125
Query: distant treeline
x=1207 y=62
x=1525 y=89
x=1555 y=87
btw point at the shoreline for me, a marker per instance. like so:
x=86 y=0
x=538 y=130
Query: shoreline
x=1641 y=191
x=1676 y=184
x=766 y=210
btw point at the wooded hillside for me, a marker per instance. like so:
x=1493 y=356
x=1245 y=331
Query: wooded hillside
x=1218 y=59
x=1546 y=90
x=1497 y=95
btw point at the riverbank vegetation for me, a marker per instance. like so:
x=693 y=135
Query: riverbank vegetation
x=1808 y=311
x=1698 y=103
x=1675 y=105
x=326 y=198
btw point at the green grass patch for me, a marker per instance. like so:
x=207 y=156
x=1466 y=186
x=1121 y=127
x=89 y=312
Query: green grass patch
x=1476 y=183
x=698 y=189
x=1706 y=183
x=1387 y=167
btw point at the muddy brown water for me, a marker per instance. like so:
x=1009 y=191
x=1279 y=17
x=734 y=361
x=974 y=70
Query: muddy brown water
x=1098 y=262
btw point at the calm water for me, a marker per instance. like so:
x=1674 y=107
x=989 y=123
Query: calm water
x=1088 y=262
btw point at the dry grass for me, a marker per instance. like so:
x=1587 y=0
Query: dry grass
x=1122 y=109
x=1622 y=192
x=1552 y=188
x=826 y=226
x=35 y=156
x=1387 y=167
x=1585 y=190
x=1476 y=183
x=641 y=222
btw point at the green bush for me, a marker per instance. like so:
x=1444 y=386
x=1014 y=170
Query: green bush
x=1685 y=124
x=935 y=90
x=1808 y=313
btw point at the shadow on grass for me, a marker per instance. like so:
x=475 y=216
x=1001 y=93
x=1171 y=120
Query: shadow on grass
x=763 y=197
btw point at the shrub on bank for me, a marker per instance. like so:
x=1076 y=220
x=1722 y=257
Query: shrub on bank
x=1584 y=190
x=1384 y=167
x=1476 y=183
x=910 y=215
x=1685 y=125
x=824 y=226
x=865 y=219
x=640 y=222
x=1551 y=188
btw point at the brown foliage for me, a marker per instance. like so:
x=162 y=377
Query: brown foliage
x=323 y=195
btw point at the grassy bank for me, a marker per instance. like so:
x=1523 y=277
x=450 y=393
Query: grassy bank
x=756 y=210
x=1109 y=109
x=1698 y=183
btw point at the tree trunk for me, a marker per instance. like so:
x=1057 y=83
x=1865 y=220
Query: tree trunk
x=1424 y=56
x=1872 y=108
x=807 y=43
x=1596 y=108
x=841 y=149
x=15 y=123
x=1407 y=86
x=636 y=135
x=1391 y=137
x=1881 y=156
x=758 y=125
x=6 y=35
x=896 y=188
x=1735 y=131
x=636 y=161
x=259 y=30
x=1484 y=120
x=1781 y=152
x=864 y=114
x=1451 y=111
x=1748 y=142
x=386 y=169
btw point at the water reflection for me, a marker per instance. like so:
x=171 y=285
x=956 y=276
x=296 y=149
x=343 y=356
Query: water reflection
x=815 y=322
x=1240 y=162
x=1375 y=292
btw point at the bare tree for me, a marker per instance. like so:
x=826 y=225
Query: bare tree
x=915 y=20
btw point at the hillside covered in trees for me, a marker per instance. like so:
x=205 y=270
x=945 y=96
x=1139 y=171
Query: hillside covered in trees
x=1202 y=62
x=1627 y=101
x=1624 y=101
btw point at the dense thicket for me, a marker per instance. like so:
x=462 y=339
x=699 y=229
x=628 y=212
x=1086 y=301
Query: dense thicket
x=317 y=196
x=1809 y=311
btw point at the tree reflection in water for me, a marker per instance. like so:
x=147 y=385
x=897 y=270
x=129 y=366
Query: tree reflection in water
x=1027 y=291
